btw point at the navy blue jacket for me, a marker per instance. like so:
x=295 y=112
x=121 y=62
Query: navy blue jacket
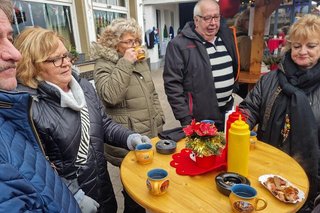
x=27 y=181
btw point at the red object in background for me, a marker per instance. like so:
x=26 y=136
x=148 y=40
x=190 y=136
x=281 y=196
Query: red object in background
x=273 y=67
x=274 y=43
x=228 y=8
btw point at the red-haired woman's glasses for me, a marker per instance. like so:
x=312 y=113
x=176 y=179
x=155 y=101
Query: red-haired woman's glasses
x=59 y=60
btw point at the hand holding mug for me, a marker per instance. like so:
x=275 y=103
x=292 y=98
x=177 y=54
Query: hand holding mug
x=131 y=55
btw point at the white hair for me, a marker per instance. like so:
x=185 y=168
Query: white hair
x=197 y=8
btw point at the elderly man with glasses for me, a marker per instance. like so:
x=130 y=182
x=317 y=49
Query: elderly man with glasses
x=201 y=67
x=28 y=183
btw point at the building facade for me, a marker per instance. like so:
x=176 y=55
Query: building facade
x=81 y=21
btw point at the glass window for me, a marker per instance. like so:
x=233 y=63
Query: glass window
x=112 y=2
x=100 y=1
x=280 y=19
x=45 y=15
x=103 y=18
x=122 y=3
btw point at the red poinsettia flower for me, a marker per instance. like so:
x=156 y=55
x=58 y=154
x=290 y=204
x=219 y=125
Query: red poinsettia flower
x=200 y=129
x=204 y=139
x=189 y=130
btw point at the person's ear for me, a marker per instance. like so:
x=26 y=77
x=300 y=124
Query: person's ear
x=196 y=20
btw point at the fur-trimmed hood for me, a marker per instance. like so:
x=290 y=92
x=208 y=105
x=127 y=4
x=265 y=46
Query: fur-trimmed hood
x=98 y=51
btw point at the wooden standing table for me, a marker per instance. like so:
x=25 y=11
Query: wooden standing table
x=199 y=193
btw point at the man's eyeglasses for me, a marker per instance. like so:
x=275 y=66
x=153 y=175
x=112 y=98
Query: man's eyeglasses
x=208 y=19
x=59 y=60
x=132 y=42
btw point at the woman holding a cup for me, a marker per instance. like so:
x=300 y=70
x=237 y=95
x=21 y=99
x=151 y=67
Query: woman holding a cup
x=123 y=82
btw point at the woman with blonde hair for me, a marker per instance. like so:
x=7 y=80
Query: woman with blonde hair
x=70 y=119
x=286 y=102
x=124 y=84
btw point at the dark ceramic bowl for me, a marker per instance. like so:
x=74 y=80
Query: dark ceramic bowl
x=166 y=147
x=225 y=180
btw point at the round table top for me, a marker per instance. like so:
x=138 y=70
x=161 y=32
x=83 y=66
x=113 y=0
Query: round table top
x=199 y=193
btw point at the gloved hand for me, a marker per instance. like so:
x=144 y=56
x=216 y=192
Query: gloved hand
x=86 y=203
x=135 y=139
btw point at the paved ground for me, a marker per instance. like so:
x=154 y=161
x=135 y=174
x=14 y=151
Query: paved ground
x=171 y=122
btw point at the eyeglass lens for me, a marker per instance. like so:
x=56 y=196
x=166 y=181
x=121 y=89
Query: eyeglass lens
x=132 y=42
x=209 y=19
x=59 y=61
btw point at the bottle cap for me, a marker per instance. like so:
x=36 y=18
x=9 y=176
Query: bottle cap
x=240 y=125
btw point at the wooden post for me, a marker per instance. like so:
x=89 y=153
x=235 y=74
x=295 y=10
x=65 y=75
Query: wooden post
x=263 y=9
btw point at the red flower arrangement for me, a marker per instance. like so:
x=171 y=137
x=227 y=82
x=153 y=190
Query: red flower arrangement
x=204 y=139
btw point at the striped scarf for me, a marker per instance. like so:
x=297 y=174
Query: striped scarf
x=82 y=155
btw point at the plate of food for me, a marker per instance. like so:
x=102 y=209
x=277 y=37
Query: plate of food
x=281 y=188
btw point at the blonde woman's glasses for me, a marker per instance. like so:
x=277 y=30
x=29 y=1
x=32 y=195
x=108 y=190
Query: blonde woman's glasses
x=59 y=60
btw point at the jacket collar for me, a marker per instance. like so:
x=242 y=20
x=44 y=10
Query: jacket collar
x=98 y=51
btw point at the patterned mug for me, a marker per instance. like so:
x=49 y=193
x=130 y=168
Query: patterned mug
x=157 y=181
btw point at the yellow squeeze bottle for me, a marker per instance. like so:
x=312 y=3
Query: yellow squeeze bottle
x=238 y=147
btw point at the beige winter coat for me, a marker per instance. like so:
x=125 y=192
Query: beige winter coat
x=128 y=94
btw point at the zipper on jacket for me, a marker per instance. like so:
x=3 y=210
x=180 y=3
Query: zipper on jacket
x=190 y=103
x=146 y=95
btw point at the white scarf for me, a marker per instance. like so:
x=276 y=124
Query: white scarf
x=74 y=98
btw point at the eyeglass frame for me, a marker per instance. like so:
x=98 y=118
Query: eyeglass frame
x=208 y=19
x=62 y=58
x=132 y=42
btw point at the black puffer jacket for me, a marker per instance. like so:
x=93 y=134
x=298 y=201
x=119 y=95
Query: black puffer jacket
x=187 y=75
x=60 y=131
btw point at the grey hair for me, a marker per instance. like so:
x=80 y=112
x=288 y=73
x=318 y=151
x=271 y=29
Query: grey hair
x=197 y=8
x=7 y=7
x=118 y=27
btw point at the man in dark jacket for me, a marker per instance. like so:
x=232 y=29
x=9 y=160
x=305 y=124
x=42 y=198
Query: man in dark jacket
x=27 y=181
x=201 y=67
